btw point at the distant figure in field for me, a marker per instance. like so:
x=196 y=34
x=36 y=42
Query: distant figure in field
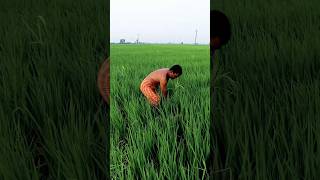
x=158 y=77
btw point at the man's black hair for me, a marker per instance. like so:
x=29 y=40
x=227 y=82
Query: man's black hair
x=176 y=69
x=220 y=26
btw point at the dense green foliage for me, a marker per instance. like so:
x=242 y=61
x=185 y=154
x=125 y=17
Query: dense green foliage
x=51 y=124
x=267 y=107
x=173 y=141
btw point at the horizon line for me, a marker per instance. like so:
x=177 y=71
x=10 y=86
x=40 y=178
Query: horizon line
x=159 y=43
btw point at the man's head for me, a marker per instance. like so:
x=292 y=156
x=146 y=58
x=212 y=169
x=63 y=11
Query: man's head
x=220 y=29
x=175 y=71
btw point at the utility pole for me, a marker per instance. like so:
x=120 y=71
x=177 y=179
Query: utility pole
x=195 y=39
x=137 y=41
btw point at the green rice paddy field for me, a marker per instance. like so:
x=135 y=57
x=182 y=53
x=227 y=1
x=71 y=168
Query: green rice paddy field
x=51 y=124
x=172 y=142
x=267 y=106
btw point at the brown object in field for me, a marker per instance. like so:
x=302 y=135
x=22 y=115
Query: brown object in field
x=104 y=80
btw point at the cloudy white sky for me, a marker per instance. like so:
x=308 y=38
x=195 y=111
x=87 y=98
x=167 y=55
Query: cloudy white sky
x=160 y=21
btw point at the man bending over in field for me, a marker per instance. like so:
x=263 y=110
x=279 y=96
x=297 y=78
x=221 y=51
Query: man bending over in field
x=158 y=77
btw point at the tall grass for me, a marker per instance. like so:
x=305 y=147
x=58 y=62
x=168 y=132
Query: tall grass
x=173 y=141
x=266 y=112
x=52 y=126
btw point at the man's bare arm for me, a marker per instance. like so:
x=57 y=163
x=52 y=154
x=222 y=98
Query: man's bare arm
x=163 y=87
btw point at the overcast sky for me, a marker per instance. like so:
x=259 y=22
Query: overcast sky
x=160 y=21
